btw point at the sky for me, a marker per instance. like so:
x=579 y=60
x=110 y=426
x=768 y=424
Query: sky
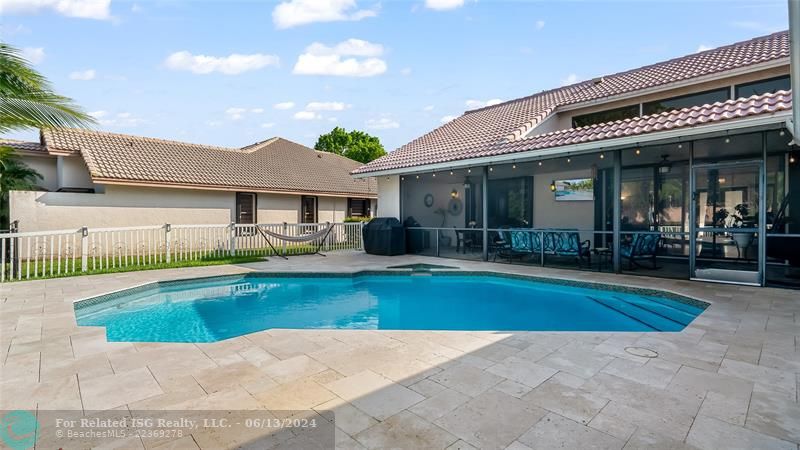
x=232 y=73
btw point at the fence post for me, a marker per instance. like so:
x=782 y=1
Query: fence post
x=84 y=249
x=361 y=236
x=232 y=239
x=167 y=230
x=285 y=230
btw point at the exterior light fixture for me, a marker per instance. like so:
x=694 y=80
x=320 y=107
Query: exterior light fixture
x=540 y=163
x=638 y=151
x=491 y=168
x=791 y=158
x=727 y=140
x=680 y=145
x=553 y=186
x=454 y=193
x=418 y=177
x=434 y=174
x=782 y=133
x=602 y=155
x=469 y=170
x=513 y=166
x=451 y=172
x=402 y=178
x=569 y=160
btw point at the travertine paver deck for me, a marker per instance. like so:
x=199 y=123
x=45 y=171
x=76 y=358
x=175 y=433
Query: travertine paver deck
x=729 y=380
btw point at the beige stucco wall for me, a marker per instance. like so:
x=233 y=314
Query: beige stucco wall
x=548 y=213
x=388 y=204
x=73 y=173
x=47 y=168
x=122 y=206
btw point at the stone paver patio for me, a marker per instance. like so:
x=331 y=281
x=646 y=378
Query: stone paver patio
x=729 y=380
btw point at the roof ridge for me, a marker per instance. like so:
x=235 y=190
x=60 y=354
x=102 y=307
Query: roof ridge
x=133 y=136
x=628 y=71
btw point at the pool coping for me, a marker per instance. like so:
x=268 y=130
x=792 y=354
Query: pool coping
x=624 y=288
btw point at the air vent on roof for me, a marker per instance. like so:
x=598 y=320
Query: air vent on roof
x=597 y=80
x=319 y=155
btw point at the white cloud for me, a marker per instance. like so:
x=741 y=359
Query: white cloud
x=136 y=8
x=539 y=24
x=327 y=106
x=384 y=123
x=443 y=5
x=98 y=114
x=703 y=47
x=428 y=108
x=85 y=9
x=34 y=55
x=283 y=105
x=301 y=12
x=363 y=60
x=235 y=113
x=257 y=110
x=124 y=115
x=267 y=124
x=406 y=71
x=570 y=79
x=120 y=120
x=475 y=104
x=446 y=119
x=332 y=119
x=83 y=75
x=233 y=64
x=306 y=115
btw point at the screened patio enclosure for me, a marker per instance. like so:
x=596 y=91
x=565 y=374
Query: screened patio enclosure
x=716 y=209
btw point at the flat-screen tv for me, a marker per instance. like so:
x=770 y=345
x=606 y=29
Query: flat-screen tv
x=576 y=189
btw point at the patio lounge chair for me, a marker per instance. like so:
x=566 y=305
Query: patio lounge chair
x=568 y=243
x=642 y=247
x=514 y=244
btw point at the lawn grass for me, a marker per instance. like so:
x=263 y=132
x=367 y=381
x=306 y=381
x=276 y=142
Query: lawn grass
x=43 y=271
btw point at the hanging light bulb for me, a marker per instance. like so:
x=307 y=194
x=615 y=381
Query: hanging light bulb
x=680 y=145
x=491 y=169
x=434 y=174
x=469 y=170
x=569 y=160
x=553 y=186
x=513 y=166
x=540 y=163
x=638 y=151
x=782 y=133
x=418 y=177
x=451 y=172
x=727 y=140
x=602 y=155
x=791 y=158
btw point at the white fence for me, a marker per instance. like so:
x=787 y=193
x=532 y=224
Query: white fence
x=62 y=252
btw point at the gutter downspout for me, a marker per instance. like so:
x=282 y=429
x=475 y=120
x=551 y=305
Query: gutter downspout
x=794 y=51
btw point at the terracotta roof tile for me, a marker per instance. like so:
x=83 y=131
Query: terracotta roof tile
x=23 y=145
x=273 y=165
x=479 y=130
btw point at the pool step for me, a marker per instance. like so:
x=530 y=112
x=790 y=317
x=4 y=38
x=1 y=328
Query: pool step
x=655 y=321
x=662 y=309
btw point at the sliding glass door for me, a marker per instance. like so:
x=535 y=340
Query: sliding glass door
x=727 y=229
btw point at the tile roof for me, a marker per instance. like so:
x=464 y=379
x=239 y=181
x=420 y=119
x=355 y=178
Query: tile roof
x=276 y=164
x=481 y=130
x=23 y=145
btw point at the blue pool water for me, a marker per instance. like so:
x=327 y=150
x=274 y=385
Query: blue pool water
x=208 y=310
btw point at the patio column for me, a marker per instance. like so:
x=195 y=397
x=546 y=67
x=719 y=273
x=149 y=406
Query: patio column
x=485 y=211
x=617 y=223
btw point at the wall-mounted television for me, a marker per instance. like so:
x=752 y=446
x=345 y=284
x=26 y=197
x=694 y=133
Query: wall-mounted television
x=576 y=189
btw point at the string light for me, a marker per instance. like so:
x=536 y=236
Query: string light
x=451 y=172
x=569 y=160
x=782 y=133
x=540 y=163
x=418 y=177
x=680 y=145
x=638 y=151
x=602 y=155
x=491 y=169
x=434 y=174
x=469 y=170
x=513 y=166
x=727 y=140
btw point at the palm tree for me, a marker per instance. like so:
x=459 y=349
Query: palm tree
x=27 y=101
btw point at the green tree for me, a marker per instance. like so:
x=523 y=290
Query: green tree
x=356 y=145
x=27 y=101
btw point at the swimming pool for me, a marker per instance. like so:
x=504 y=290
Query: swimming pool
x=212 y=309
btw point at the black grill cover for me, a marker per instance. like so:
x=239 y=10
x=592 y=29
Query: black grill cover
x=384 y=236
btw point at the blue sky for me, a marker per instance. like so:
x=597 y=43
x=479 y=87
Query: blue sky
x=235 y=72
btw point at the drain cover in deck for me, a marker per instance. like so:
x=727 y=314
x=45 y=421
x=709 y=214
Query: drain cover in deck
x=642 y=352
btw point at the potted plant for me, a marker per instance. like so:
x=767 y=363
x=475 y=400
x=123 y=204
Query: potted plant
x=739 y=218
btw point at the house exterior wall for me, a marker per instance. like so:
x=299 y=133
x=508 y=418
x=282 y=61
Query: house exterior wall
x=124 y=206
x=47 y=168
x=73 y=173
x=388 y=204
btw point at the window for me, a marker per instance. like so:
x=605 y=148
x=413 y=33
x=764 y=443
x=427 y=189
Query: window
x=511 y=202
x=626 y=112
x=686 y=101
x=358 y=207
x=308 y=209
x=245 y=207
x=759 y=87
